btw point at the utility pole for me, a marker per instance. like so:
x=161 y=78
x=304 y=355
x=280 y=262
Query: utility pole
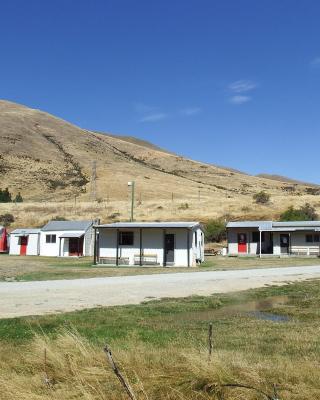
x=94 y=181
x=131 y=184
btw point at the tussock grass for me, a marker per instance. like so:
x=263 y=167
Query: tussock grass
x=161 y=348
x=77 y=369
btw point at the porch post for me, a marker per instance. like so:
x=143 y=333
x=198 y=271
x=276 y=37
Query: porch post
x=140 y=247
x=95 y=246
x=164 y=249
x=188 y=246
x=289 y=243
x=117 y=250
x=60 y=247
x=98 y=246
x=78 y=246
x=260 y=243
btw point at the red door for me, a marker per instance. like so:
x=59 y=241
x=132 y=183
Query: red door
x=23 y=245
x=242 y=242
x=3 y=240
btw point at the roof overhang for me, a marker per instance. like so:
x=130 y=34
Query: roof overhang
x=69 y=235
x=290 y=229
x=150 y=225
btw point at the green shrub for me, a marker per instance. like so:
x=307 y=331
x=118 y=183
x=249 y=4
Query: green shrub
x=304 y=213
x=58 y=218
x=183 y=206
x=6 y=219
x=18 y=198
x=5 y=196
x=215 y=230
x=261 y=197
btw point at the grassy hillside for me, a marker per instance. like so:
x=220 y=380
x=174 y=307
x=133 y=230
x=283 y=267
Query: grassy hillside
x=50 y=161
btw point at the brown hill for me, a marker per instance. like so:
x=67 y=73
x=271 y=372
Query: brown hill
x=47 y=158
x=282 y=178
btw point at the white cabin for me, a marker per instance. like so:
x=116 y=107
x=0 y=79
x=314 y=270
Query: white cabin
x=25 y=242
x=274 y=238
x=149 y=243
x=67 y=239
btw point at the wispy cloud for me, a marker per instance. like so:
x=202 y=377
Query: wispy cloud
x=142 y=108
x=315 y=62
x=149 y=113
x=154 y=117
x=242 y=86
x=239 y=99
x=190 y=111
x=238 y=91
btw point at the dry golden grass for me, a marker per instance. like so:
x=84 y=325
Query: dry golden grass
x=36 y=214
x=77 y=369
x=54 y=165
x=161 y=349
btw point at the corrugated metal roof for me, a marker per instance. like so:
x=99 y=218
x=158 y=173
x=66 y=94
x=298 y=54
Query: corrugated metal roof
x=276 y=226
x=120 y=225
x=297 y=223
x=27 y=231
x=72 y=235
x=67 y=226
x=250 y=224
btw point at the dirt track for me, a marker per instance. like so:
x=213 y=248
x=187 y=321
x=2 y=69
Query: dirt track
x=35 y=298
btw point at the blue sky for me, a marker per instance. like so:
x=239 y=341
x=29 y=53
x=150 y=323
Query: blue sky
x=233 y=83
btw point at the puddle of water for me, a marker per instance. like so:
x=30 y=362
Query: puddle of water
x=260 y=309
x=266 y=316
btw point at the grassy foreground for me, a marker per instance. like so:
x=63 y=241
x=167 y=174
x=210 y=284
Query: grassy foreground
x=33 y=268
x=161 y=347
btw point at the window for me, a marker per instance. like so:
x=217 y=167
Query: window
x=126 y=238
x=51 y=238
x=255 y=237
x=309 y=238
x=196 y=239
x=23 y=240
x=313 y=238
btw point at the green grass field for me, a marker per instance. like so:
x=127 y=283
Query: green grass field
x=47 y=268
x=162 y=348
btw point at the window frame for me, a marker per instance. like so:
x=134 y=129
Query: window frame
x=253 y=239
x=126 y=234
x=257 y=233
x=309 y=238
x=51 y=238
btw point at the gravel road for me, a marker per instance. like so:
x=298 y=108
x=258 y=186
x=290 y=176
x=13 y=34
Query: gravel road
x=38 y=298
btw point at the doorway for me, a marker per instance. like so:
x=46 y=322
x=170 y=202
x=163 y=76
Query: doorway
x=23 y=245
x=284 y=243
x=242 y=242
x=169 y=248
x=76 y=247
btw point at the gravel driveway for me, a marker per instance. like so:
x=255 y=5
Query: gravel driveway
x=36 y=298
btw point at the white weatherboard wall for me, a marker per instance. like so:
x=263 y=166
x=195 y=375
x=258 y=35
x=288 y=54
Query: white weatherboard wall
x=197 y=252
x=32 y=247
x=152 y=244
x=52 y=249
x=253 y=248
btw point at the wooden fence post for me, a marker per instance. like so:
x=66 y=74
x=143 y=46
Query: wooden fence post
x=210 y=345
x=121 y=378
